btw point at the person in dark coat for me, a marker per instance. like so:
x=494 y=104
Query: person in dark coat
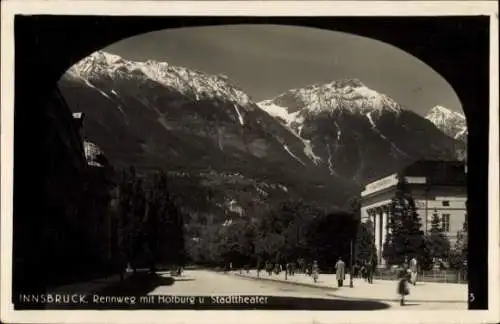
x=340 y=272
x=369 y=271
x=269 y=268
x=403 y=289
x=363 y=271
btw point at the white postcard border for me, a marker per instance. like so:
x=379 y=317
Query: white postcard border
x=244 y=8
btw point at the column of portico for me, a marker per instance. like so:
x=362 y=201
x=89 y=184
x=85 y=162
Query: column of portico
x=371 y=216
x=376 y=216
x=385 y=212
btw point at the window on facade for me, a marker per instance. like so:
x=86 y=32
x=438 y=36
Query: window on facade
x=445 y=222
x=446 y=203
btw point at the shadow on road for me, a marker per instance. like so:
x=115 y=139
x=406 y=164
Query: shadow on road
x=293 y=303
x=184 y=279
x=138 y=284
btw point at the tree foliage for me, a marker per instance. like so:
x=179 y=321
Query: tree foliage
x=150 y=227
x=458 y=257
x=438 y=242
x=365 y=242
x=405 y=239
x=153 y=230
x=283 y=232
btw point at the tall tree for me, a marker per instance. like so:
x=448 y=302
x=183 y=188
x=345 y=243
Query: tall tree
x=237 y=245
x=131 y=212
x=460 y=250
x=406 y=239
x=364 y=247
x=438 y=242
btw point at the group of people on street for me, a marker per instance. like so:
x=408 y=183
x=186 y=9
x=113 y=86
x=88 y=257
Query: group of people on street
x=291 y=268
x=365 y=269
x=311 y=270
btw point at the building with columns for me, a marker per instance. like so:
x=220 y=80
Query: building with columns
x=438 y=188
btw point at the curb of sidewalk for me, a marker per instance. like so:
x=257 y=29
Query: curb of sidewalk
x=285 y=282
x=352 y=298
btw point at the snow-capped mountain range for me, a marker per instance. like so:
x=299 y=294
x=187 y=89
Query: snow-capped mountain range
x=350 y=96
x=450 y=122
x=320 y=142
x=188 y=82
x=348 y=119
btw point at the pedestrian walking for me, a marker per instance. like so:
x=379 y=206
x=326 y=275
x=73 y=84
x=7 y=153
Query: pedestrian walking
x=363 y=271
x=268 y=268
x=355 y=271
x=315 y=271
x=413 y=271
x=309 y=270
x=340 y=272
x=369 y=271
x=403 y=289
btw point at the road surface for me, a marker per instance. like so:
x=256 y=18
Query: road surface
x=208 y=283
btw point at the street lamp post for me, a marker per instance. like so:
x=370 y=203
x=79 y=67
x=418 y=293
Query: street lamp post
x=350 y=265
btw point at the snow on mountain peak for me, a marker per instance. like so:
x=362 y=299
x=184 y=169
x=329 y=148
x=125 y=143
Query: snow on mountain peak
x=443 y=112
x=440 y=114
x=450 y=122
x=350 y=94
x=189 y=82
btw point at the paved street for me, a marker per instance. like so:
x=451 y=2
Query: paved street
x=200 y=282
x=423 y=296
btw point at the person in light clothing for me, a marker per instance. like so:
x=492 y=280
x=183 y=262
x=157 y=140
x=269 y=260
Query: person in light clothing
x=340 y=272
x=315 y=271
x=413 y=271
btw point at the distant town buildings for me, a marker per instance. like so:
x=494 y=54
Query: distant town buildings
x=438 y=188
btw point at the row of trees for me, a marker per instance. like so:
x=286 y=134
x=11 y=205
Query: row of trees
x=283 y=232
x=151 y=232
x=150 y=227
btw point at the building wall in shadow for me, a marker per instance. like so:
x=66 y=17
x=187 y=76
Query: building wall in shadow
x=67 y=237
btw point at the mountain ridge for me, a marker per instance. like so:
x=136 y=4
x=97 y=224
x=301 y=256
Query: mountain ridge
x=157 y=115
x=194 y=127
x=452 y=123
x=336 y=108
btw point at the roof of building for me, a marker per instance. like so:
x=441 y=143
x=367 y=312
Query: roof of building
x=438 y=172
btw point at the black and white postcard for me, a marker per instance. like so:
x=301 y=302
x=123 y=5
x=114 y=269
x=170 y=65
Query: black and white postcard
x=295 y=162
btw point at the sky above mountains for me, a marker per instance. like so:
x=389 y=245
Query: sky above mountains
x=266 y=60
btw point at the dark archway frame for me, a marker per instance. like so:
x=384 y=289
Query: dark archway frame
x=455 y=47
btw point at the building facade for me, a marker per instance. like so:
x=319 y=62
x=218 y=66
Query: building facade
x=99 y=187
x=437 y=187
x=63 y=241
x=47 y=242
